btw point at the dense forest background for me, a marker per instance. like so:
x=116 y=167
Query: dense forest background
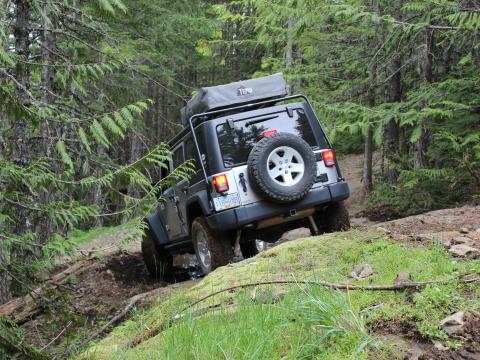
x=91 y=88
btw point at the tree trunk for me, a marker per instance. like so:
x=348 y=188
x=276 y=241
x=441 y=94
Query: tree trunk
x=44 y=226
x=421 y=145
x=368 y=152
x=391 y=130
x=289 y=52
x=18 y=142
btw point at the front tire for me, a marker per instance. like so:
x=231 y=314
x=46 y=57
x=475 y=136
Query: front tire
x=159 y=265
x=212 y=248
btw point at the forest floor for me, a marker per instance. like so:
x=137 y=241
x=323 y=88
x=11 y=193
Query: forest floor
x=88 y=301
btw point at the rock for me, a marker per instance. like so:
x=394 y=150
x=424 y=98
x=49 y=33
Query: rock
x=461 y=323
x=402 y=277
x=464 y=230
x=401 y=238
x=382 y=229
x=277 y=296
x=464 y=250
x=453 y=324
x=265 y=297
x=462 y=240
x=439 y=346
x=361 y=271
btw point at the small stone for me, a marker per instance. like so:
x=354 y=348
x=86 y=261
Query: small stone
x=401 y=238
x=382 y=229
x=402 y=277
x=461 y=323
x=464 y=250
x=464 y=230
x=453 y=324
x=277 y=296
x=439 y=346
x=361 y=271
x=462 y=240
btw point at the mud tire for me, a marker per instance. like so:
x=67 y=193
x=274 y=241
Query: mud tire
x=334 y=218
x=159 y=264
x=249 y=249
x=219 y=245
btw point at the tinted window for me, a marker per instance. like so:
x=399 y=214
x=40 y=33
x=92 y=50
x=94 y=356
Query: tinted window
x=178 y=157
x=191 y=152
x=237 y=143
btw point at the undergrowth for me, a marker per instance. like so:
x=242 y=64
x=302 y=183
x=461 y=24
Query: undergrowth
x=309 y=321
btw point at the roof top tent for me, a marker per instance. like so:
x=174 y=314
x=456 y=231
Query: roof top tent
x=235 y=94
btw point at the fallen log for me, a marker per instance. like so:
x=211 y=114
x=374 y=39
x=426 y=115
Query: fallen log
x=23 y=308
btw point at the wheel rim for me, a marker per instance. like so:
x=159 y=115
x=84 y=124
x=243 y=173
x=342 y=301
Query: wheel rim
x=285 y=166
x=202 y=250
x=261 y=245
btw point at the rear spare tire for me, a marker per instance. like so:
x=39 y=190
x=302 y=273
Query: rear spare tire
x=159 y=264
x=282 y=167
x=212 y=248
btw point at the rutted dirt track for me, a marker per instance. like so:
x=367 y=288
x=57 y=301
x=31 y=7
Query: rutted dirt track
x=94 y=297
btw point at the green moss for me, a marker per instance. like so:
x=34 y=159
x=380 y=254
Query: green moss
x=79 y=236
x=285 y=329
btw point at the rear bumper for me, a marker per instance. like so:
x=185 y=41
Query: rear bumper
x=244 y=215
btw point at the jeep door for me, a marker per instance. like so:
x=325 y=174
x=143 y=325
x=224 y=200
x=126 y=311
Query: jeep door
x=169 y=209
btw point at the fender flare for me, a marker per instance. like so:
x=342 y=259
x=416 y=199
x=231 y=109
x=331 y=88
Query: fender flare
x=157 y=228
x=200 y=198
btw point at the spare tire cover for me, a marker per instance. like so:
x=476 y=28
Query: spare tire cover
x=282 y=167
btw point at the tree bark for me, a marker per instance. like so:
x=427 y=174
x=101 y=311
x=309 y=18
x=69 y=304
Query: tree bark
x=18 y=142
x=44 y=226
x=421 y=145
x=391 y=130
x=368 y=152
x=289 y=52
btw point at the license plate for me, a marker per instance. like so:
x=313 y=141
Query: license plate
x=226 y=202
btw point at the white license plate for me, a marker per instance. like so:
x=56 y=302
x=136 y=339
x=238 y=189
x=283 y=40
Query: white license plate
x=226 y=202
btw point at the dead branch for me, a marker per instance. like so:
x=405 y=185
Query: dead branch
x=395 y=287
x=22 y=308
x=465 y=279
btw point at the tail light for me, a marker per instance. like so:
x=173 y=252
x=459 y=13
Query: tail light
x=269 y=133
x=329 y=158
x=221 y=183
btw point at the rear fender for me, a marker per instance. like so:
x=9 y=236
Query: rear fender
x=157 y=228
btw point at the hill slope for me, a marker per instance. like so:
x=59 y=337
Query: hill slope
x=297 y=321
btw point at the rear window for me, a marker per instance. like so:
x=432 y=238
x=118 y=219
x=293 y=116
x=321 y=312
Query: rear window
x=236 y=143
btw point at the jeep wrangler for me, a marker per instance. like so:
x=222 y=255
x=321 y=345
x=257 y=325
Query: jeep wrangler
x=265 y=166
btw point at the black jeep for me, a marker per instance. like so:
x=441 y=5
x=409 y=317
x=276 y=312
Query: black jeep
x=265 y=166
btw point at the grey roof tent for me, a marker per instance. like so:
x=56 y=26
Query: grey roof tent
x=235 y=94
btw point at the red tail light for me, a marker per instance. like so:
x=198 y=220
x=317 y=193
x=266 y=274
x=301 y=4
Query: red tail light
x=221 y=183
x=269 y=133
x=329 y=158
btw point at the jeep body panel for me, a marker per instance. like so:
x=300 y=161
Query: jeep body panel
x=185 y=201
x=249 y=214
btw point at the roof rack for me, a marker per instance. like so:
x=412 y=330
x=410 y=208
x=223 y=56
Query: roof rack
x=224 y=97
